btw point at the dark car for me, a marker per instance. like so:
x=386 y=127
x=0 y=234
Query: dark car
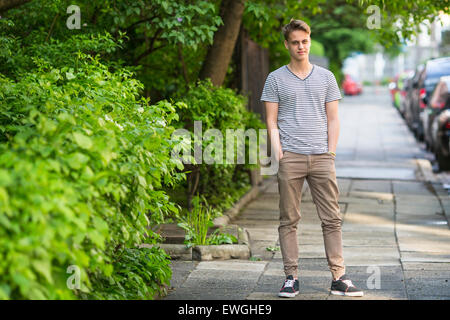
x=411 y=94
x=435 y=105
x=406 y=93
x=440 y=124
x=401 y=96
x=422 y=89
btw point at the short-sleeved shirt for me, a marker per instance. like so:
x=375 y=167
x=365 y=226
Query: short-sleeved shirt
x=302 y=117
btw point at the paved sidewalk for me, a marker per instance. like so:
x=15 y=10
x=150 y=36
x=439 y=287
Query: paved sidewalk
x=395 y=222
x=395 y=229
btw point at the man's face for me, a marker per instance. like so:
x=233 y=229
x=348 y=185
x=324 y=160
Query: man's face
x=298 y=44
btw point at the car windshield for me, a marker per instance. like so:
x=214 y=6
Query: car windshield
x=435 y=70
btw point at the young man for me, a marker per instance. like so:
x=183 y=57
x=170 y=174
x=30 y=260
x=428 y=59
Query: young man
x=301 y=101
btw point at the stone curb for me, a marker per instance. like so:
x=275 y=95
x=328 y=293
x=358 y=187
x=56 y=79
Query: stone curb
x=209 y=252
x=224 y=251
x=425 y=172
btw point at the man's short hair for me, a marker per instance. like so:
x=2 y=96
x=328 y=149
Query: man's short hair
x=293 y=25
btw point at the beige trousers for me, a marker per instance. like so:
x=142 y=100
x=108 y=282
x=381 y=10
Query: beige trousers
x=320 y=173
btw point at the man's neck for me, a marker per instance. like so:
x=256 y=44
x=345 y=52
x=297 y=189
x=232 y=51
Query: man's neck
x=302 y=66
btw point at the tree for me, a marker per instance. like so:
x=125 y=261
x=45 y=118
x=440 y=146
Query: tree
x=219 y=54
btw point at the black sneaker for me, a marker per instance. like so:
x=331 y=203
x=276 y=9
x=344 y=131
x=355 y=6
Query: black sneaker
x=344 y=287
x=290 y=288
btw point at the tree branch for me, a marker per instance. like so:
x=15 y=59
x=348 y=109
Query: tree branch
x=183 y=64
x=5 y=5
x=150 y=49
x=51 y=27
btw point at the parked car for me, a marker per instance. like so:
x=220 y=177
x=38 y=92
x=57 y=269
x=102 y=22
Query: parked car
x=351 y=86
x=438 y=101
x=411 y=96
x=440 y=125
x=400 y=93
x=422 y=89
x=406 y=95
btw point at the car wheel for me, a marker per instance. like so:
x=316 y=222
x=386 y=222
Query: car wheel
x=442 y=157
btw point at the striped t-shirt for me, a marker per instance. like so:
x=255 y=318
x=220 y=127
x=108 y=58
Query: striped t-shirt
x=302 y=117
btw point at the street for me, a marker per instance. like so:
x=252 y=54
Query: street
x=395 y=222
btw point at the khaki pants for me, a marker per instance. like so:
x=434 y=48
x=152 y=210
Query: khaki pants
x=320 y=173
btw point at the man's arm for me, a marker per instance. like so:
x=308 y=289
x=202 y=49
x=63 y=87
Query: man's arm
x=333 y=124
x=272 y=127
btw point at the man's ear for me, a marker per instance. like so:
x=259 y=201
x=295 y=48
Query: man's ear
x=286 y=44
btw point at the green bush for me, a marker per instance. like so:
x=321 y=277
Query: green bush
x=218 y=108
x=83 y=161
x=139 y=274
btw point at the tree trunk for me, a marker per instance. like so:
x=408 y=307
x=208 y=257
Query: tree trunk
x=219 y=54
x=9 y=4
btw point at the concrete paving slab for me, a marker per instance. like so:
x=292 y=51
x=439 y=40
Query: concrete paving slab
x=424 y=297
x=373 y=242
x=422 y=219
x=382 y=186
x=305 y=240
x=374 y=295
x=230 y=265
x=365 y=201
x=207 y=294
x=344 y=185
x=424 y=257
x=425 y=266
x=428 y=274
x=411 y=209
x=375 y=173
x=371 y=262
x=377 y=210
x=385 y=197
x=180 y=271
x=263 y=234
x=368 y=235
x=367 y=227
x=423 y=230
x=410 y=187
x=311 y=288
x=261 y=214
x=253 y=223
x=428 y=287
x=371 y=253
x=236 y=284
x=424 y=245
x=274 y=296
x=365 y=219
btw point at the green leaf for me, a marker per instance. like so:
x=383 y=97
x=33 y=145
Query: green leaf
x=70 y=76
x=82 y=140
x=44 y=268
x=77 y=160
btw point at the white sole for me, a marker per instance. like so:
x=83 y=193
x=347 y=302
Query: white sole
x=288 y=295
x=348 y=294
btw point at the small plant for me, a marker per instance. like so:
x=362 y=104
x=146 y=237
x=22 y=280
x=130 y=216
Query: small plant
x=273 y=249
x=197 y=222
x=221 y=238
x=255 y=259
